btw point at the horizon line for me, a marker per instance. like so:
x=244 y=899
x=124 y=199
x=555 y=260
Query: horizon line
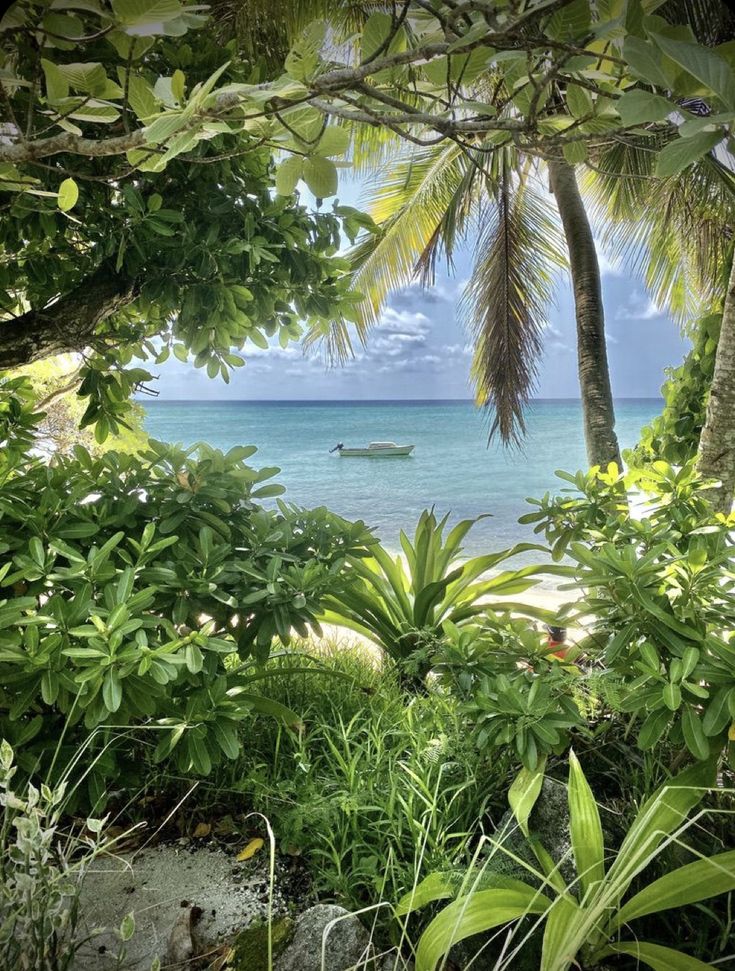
x=358 y=401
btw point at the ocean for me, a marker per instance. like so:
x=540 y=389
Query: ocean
x=452 y=467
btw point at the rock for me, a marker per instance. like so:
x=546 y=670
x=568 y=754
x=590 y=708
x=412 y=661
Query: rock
x=549 y=822
x=347 y=943
x=171 y=890
x=250 y=949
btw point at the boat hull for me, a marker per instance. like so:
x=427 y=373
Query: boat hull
x=399 y=451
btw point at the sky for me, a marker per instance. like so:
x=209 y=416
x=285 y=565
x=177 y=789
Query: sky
x=420 y=349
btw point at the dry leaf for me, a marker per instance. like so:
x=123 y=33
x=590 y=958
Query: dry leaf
x=202 y=830
x=250 y=850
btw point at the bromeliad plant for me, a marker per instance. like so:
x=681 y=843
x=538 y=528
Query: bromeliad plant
x=584 y=921
x=660 y=592
x=402 y=603
x=142 y=590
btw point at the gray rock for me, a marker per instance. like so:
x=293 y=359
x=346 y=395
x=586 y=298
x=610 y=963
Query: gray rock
x=346 y=942
x=159 y=885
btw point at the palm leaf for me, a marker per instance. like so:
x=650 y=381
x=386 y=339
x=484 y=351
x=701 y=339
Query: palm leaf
x=505 y=301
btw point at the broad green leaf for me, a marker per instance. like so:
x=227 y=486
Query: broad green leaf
x=658 y=957
x=164 y=127
x=638 y=107
x=68 y=195
x=474 y=914
x=334 y=141
x=145 y=16
x=559 y=930
x=586 y=830
x=57 y=86
x=645 y=61
x=375 y=32
x=705 y=65
x=685 y=885
x=320 y=174
x=437 y=886
x=524 y=792
x=696 y=740
x=682 y=152
x=659 y=816
x=140 y=96
x=575 y=152
x=288 y=173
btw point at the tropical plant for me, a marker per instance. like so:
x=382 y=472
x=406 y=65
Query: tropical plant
x=402 y=604
x=584 y=920
x=373 y=790
x=518 y=694
x=146 y=589
x=41 y=870
x=659 y=592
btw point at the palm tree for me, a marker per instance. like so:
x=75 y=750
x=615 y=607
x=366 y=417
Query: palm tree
x=434 y=198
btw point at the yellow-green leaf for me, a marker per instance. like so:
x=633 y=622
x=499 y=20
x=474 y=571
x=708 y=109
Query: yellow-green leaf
x=250 y=850
x=68 y=195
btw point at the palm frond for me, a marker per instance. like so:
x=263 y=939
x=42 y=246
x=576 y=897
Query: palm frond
x=505 y=301
x=675 y=233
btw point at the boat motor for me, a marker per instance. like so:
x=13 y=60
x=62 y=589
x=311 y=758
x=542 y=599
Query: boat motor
x=337 y=447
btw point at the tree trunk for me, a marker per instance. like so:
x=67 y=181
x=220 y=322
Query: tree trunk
x=594 y=376
x=67 y=325
x=716 y=454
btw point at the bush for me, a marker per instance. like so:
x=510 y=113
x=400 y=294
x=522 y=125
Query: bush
x=141 y=590
x=659 y=596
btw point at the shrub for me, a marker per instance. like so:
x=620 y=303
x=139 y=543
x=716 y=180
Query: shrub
x=659 y=596
x=141 y=590
x=402 y=608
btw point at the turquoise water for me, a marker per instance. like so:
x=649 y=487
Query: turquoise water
x=452 y=467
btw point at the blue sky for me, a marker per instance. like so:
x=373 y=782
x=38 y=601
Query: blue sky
x=419 y=350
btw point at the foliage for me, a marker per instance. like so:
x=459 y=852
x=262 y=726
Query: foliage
x=660 y=589
x=143 y=590
x=402 y=605
x=674 y=435
x=40 y=873
x=583 y=919
x=518 y=694
x=373 y=789
x=121 y=117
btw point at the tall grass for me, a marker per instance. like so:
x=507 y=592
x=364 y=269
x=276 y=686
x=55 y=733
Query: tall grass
x=375 y=788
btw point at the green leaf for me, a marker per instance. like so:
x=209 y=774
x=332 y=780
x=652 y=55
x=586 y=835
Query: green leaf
x=696 y=740
x=638 y=107
x=127 y=927
x=288 y=173
x=136 y=15
x=375 y=32
x=474 y=914
x=437 y=886
x=575 y=152
x=320 y=175
x=658 y=957
x=705 y=65
x=585 y=827
x=524 y=792
x=681 y=152
x=645 y=61
x=68 y=195
x=141 y=97
x=334 y=141
x=178 y=83
x=685 y=885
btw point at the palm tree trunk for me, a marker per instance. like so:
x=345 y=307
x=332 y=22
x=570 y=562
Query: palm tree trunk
x=594 y=376
x=716 y=455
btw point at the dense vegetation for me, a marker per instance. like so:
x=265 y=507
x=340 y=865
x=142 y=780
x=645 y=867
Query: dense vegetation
x=167 y=619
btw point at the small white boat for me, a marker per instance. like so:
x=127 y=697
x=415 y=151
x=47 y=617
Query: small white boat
x=375 y=450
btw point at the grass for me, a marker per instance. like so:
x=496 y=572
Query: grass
x=376 y=789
